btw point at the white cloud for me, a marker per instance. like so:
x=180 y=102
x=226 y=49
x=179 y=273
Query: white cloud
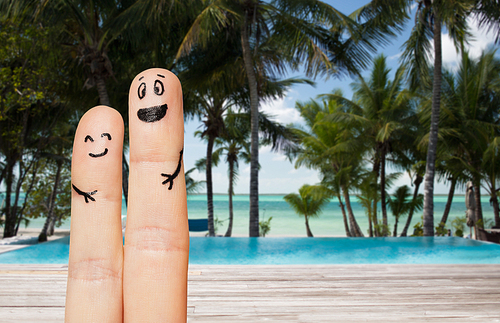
x=264 y=149
x=278 y=157
x=282 y=110
x=395 y=57
x=479 y=41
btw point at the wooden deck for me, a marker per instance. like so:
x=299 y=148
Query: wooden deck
x=326 y=293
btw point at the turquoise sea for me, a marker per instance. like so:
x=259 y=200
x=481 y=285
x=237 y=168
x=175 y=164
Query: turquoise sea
x=286 y=222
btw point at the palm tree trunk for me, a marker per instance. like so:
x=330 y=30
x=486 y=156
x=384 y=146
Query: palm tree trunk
x=210 y=194
x=385 y=229
x=433 y=135
x=50 y=231
x=479 y=209
x=2 y=176
x=370 y=226
x=308 y=229
x=355 y=230
x=125 y=170
x=10 y=218
x=344 y=216
x=395 y=233
x=254 y=123
x=494 y=203
x=100 y=84
x=230 y=191
x=376 y=168
x=375 y=219
x=447 y=208
x=417 y=182
x=52 y=203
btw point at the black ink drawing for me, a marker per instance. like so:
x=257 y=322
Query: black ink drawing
x=156 y=113
x=86 y=195
x=170 y=178
x=152 y=114
x=105 y=134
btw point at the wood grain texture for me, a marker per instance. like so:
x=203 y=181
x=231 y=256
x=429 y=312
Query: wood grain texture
x=316 y=293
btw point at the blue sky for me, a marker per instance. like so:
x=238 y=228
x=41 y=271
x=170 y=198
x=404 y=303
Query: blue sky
x=279 y=176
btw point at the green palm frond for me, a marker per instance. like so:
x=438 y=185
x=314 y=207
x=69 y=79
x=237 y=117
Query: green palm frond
x=216 y=14
x=488 y=15
x=309 y=202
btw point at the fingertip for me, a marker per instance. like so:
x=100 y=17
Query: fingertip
x=156 y=117
x=98 y=146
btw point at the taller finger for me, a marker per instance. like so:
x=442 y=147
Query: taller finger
x=157 y=236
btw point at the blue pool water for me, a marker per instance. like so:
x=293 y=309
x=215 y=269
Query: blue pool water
x=294 y=251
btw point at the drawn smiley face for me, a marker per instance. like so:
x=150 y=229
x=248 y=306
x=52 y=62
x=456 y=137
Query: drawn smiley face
x=103 y=153
x=153 y=113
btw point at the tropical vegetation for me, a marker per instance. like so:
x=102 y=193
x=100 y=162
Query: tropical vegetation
x=59 y=58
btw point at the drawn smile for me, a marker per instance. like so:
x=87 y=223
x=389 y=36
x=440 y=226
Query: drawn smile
x=99 y=155
x=152 y=114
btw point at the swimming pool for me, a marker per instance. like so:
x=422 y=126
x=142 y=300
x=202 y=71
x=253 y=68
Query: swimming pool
x=295 y=251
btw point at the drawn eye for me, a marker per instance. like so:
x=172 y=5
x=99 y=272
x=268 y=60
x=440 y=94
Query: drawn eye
x=88 y=137
x=106 y=135
x=142 y=90
x=159 y=87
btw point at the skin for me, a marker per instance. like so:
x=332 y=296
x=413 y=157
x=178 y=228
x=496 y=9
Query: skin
x=145 y=280
x=95 y=268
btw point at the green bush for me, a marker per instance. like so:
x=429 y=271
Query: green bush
x=265 y=226
x=419 y=230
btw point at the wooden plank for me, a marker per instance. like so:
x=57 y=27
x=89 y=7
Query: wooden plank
x=324 y=293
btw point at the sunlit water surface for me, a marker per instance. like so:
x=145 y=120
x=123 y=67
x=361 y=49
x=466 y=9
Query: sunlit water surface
x=293 y=251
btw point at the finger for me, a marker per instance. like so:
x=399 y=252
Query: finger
x=94 y=292
x=157 y=236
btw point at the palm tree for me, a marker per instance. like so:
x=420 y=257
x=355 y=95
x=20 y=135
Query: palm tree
x=101 y=37
x=233 y=153
x=235 y=146
x=424 y=43
x=331 y=189
x=382 y=108
x=192 y=185
x=491 y=169
x=401 y=203
x=417 y=175
x=33 y=87
x=449 y=168
x=368 y=197
x=343 y=182
x=279 y=33
x=214 y=73
x=471 y=108
x=58 y=152
x=334 y=149
x=306 y=204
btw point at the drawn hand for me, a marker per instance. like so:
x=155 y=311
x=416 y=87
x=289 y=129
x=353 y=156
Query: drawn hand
x=86 y=196
x=170 y=178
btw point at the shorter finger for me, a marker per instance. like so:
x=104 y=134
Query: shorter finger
x=94 y=292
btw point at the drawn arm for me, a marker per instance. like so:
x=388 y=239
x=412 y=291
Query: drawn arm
x=170 y=178
x=86 y=195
